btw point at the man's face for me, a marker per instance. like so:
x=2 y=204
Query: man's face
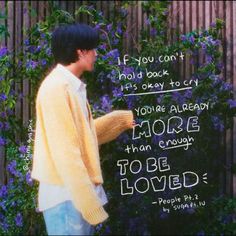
x=87 y=59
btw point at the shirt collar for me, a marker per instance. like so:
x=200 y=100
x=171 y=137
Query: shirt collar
x=78 y=83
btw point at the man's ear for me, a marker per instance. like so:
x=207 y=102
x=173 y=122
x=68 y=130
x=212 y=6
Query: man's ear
x=81 y=53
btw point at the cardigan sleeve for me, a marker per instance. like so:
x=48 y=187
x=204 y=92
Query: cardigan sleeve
x=111 y=125
x=63 y=142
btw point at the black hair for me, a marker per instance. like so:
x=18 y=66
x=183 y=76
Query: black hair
x=66 y=39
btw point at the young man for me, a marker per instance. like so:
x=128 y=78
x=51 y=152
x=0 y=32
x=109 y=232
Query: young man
x=66 y=158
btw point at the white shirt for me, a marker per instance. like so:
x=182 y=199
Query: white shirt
x=50 y=195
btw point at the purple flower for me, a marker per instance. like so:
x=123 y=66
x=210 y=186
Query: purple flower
x=6 y=126
x=123 y=11
x=38 y=48
x=192 y=61
x=153 y=32
x=48 y=51
x=201 y=233
x=5 y=226
x=130 y=101
x=165 y=12
x=2 y=141
x=27 y=42
x=183 y=37
x=91 y=7
x=103 y=46
x=23 y=149
x=213 y=24
x=216 y=42
x=107 y=230
x=11 y=167
x=18 y=219
x=28 y=179
x=109 y=27
x=147 y=21
x=98 y=227
x=10 y=111
x=1 y=78
x=220 y=65
x=43 y=62
x=118 y=29
x=98 y=26
x=3 y=114
x=203 y=45
x=31 y=64
x=2 y=205
x=175 y=96
x=163 y=215
x=232 y=103
x=191 y=39
x=114 y=54
x=106 y=103
x=226 y=87
x=115 y=41
x=227 y=219
x=11 y=180
x=3 y=191
x=3 y=97
x=128 y=70
x=216 y=79
x=209 y=59
x=188 y=93
x=3 y=51
x=190 y=210
x=217 y=123
x=117 y=92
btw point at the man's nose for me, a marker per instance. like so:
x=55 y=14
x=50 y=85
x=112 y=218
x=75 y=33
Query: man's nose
x=95 y=52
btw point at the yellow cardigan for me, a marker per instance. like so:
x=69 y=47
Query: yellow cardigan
x=66 y=149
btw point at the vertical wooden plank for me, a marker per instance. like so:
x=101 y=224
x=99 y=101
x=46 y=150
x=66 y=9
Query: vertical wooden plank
x=26 y=90
x=128 y=29
x=207 y=14
x=201 y=7
x=213 y=11
x=17 y=42
x=134 y=28
x=77 y=5
x=228 y=49
x=62 y=5
x=169 y=26
x=139 y=25
x=220 y=14
x=33 y=20
x=2 y=149
x=10 y=39
x=47 y=10
x=41 y=7
x=175 y=19
x=234 y=87
x=193 y=14
x=182 y=31
x=187 y=23
x=71 y=8
x=3 y=22
x=194 y=25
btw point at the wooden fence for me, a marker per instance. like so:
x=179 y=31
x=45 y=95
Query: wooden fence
x=184 y=16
